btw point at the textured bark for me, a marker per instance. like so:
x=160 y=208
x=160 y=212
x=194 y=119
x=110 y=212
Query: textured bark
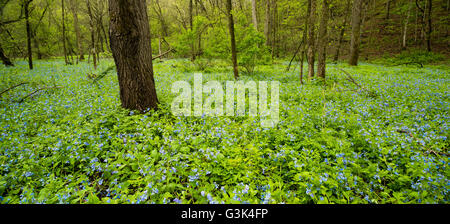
x=5 y=59
x=254 y=15
x=311 y=38
x=233 y=41
x=131 y=47
x=28 y=28
x=356 y=28
x=323 y=41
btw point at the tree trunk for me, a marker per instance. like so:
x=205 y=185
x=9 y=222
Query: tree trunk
x=74 y=9
x=254 y=15
x=356 y=27
x=429 y=28
x=191 y=27
x=131 y=48
x=5 y=59
x=64 y=33
x=311 y=38
x=91 y=28
x=342 y=32
x=268 y=24
x=323 y=41
x=27 y=21
x=232 y=38
x=388 y=9
x=405 y=29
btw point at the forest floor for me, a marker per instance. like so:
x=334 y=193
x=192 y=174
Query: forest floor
x=381 y=136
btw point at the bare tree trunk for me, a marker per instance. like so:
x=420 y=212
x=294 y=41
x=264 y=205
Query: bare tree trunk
x=341 y=34
x=74 y=9
x=405 y=29
x=91 y=27
x=388 y=9
x=191 y=26
x=323 y=41
x=311 y=38
x=64 y=33
x=356 y=27
x=268 y=24
x=429 y=28
x=274 y=27
x=27 y=21
x=254 y=15
x=131 y=47
x=233 y=41
x=5 y=59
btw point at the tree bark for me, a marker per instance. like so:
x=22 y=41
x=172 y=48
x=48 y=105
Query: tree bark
x=28 y=28
x=342 y=32
x=91 y=28
x=429 y=28
x=323 y=41
x=268 y=24
x=356 y=28
x=131 y=48
x=254 y=15
x=64 y=33
x=74 y=9
x=5 y=59
x=311 y=38
x=232 y=38
x=405 y=29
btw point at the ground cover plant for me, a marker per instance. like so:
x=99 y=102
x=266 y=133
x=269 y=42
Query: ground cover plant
x=369 y=134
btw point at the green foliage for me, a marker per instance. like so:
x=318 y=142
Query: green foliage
x=332 y=145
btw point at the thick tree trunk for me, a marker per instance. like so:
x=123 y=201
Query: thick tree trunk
x=131 y=47
x=323 y=41
x=254 y=15
x=27 y=21
x=311 y=38
x=5 y=59
x=91 y=28
x=232 y=38
x=356 y=28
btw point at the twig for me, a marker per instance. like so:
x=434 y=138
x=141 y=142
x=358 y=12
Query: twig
x=351 y=79
x=162 y=54
x=12 y=87
x=38 y=90
x=423 y=145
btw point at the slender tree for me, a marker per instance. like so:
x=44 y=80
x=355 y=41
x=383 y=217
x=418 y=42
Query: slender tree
x=26 y=5
x=76 y=26
x=323 y=40
x=64 y=33
x=356 y=27
x=311 y=38
x=131 y=48
x=254 y=15
x=232 y=38
x=429 y=28
x=91 y=28
x=342 y=31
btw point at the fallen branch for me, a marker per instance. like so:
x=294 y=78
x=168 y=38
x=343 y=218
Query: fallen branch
x=12 y=87
x=162 y=54
x=423 y=145
x=408 y=63
x=37 y=91
x=351 y=79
